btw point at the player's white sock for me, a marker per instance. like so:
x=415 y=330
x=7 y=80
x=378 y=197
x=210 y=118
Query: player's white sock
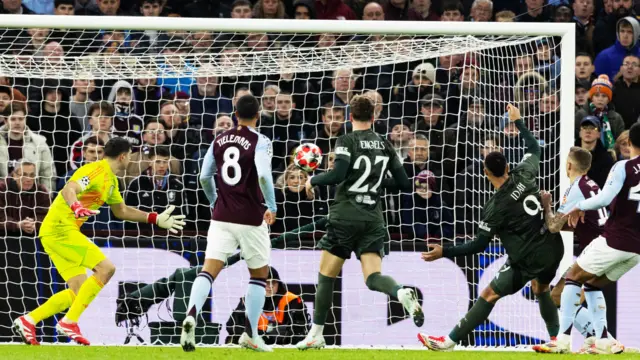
x=583 y=323
x=254 y=302
x=316 y=330
x=597 y=307
x=569 y=304
x=199 y=293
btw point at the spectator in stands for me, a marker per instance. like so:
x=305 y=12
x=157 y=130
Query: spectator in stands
x=18 y=142
x=110 y=8
x=257 y=41
x=448 y=72
x=343 y=83
x=114 y=43
x=334 y=10
x=294 y=208
x=611 y=123
x=6 y=96
x=395 y=10
x=423 y=10
x=431 y=124
x=147 y=95
x=583 y=16
x=155 y=189
x=207 y=102
x=609 y=60
x=584 y=67
x=154 y=135
x=81 y=102
x=203 y=8
x=461 y=140
x=373 y=11
x=183 y=139
x=150 y=7
x=304 y=10
x=527 y=92
x=582 y=94
x=452 y=10
x=92 y=150
x=285 y=130
x=601 y=159
x=101 y=126
x=15 y=7
x=399 y=136
x=23 y=201
x=181 y=101
x=86 y=7
x=201 y=42
x=534 y=11
x=460 y=96
x=381 y=123
x=240 y=92
x=269 y=9
x=482 y=10
x=561 y=13
x=546 y=62
x=332 y=126
x=223 y=123
x=126 y=123
x=241 y=9
x=424 y=215
x=268 y=108
x=418 y=156
x=406 y=100
x=50 y=118
x=505 y=16
x=172 y=55
x=623 y=148
x=284 y=319
x=605 y=32
x=626 y=91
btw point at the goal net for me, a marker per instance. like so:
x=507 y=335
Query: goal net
x=170 y=86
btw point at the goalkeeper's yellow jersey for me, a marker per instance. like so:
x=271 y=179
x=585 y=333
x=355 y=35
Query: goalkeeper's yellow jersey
x=99 y=185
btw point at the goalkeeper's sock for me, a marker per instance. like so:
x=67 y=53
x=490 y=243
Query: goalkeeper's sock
x=88 y=291
x=57 y=303
x=582 y=322
x=549 y=313
x=199 y=293
x=569 y=304
x=254 y=302
x=384 y=284
x=597 y=306
x=324 y=297
x=479 y=312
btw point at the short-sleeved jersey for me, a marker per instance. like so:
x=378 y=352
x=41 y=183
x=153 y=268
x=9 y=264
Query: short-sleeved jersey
x=622 y=230
x=370 y=157
x=98 y=184
x=514 y=213
x=240 y=199
x=584 y=188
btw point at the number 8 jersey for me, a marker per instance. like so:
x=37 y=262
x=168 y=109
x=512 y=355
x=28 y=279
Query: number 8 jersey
x=369 y=157
x=240 y=155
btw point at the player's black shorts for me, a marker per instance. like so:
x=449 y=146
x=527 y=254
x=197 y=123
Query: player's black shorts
x=346 y=236
x=513 y=277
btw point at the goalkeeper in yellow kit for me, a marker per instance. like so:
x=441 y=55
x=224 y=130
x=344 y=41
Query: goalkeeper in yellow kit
x=72 y=253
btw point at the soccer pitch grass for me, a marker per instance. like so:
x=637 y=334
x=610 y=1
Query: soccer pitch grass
x=175 y=353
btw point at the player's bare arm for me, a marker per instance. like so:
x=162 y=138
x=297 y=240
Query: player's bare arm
x=555 y=221
x=165 y=220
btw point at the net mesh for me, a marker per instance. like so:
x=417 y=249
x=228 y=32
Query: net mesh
x=440 y=100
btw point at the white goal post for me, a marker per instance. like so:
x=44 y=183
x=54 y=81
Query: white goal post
x=483 y=46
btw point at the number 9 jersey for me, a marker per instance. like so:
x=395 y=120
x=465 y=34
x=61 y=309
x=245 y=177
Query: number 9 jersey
x=370 y=157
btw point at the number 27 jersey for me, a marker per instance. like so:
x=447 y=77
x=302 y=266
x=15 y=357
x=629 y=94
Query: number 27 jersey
x=370 y=157
x=237 y=152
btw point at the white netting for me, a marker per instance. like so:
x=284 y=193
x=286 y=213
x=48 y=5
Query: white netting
x=441 y=101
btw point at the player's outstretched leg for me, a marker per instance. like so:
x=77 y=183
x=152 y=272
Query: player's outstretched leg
x=199 y=293
x=24 y=326
x=254 y=302
x=479 y=313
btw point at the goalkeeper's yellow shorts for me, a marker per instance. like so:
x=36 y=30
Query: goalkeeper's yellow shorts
x=72 y=253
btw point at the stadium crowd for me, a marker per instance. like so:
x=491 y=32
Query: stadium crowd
x=442 y=115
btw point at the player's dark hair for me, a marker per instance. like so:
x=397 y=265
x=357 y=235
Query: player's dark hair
x=580 y=158
x=159 y=151
x=93 y=140
x=247 y=108
x=634 y=135
x=104 y=108
x=496 y=163
x=362 y=108
x=116 y=147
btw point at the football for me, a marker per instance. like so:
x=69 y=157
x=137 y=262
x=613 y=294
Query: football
x=307 y=157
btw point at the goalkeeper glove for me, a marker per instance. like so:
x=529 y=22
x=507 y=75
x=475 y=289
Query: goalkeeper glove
x=80 y=211
x=166 y=221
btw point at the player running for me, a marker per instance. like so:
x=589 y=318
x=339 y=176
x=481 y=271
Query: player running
x=582 y=187
x=514 y=214
x=72 y=253
x=242 y=159
x=355 y=221
x=609 y=256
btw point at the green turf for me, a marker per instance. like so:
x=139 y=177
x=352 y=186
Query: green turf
x=175 y=353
